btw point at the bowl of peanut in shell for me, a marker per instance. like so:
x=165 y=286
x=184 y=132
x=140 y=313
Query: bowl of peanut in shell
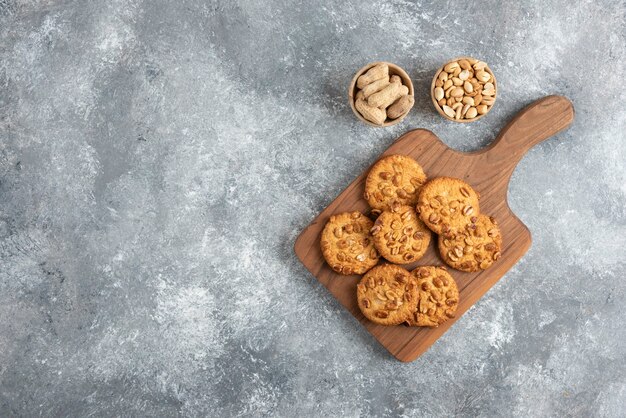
x=464 y=90
x=381 y=94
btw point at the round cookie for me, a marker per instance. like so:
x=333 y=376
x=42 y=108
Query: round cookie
x=446 y=203
x=387 y=295
x=474 y=247
x=438 y=297
x=347 y=244
x=395 y=178
x=400 y=236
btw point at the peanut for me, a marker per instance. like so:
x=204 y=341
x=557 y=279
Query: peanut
x=480 y=65
x=451 y=67
x=374 y=87
x=400 y=107
x=375 y=73
x=451 y=113
x=439 y=93
x=457 y=92
x=465 y=64
x=371 y=113
x=388 y=95
x=482 y=109
x=483 y=76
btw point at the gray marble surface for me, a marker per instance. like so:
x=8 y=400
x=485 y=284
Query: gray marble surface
x=158 y=159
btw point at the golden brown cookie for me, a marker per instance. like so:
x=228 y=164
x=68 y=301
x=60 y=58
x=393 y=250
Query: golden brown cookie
x=438 y=297
x=387 y=295
x=396 y=178
x=347 y=244
x=446 y=203
x=400 y=236
x=474 y=247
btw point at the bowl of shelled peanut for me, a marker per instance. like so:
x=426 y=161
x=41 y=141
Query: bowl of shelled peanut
x=464 y=90
x=381 y=94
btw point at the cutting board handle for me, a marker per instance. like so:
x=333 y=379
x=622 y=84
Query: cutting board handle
x=534 y=124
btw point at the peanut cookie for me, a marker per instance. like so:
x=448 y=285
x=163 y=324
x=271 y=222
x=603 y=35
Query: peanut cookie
x=438 y=297
x=396 y=178
x=474 y=247
x=400 y=236
x=387 y=295
x=347 y=244
x=445 y=203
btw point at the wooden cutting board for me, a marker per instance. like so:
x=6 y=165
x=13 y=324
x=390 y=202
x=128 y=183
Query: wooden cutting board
x=488 y=171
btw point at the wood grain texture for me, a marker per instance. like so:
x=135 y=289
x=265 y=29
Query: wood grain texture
x=488 y=171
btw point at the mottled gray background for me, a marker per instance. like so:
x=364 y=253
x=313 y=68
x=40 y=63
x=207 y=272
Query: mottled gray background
x=158 y=159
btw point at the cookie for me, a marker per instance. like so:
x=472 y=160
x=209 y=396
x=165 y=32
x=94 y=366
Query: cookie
x=400 y=236
x=438 y=297
x=347 y=244
x=396 y=178
x=387 y=295
x=474 y=247
x=446 y=203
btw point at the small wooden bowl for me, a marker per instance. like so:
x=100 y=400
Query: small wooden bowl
x=393 y=70
x=440 y=110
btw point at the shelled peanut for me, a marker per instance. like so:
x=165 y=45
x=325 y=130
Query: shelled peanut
x=380 y=96
x=464 y=89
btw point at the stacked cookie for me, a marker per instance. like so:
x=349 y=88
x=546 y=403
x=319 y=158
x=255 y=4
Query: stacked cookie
x=390 y=295
x=407 y=208
x=392 y=189
x=352 y=244
x=468 y=241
